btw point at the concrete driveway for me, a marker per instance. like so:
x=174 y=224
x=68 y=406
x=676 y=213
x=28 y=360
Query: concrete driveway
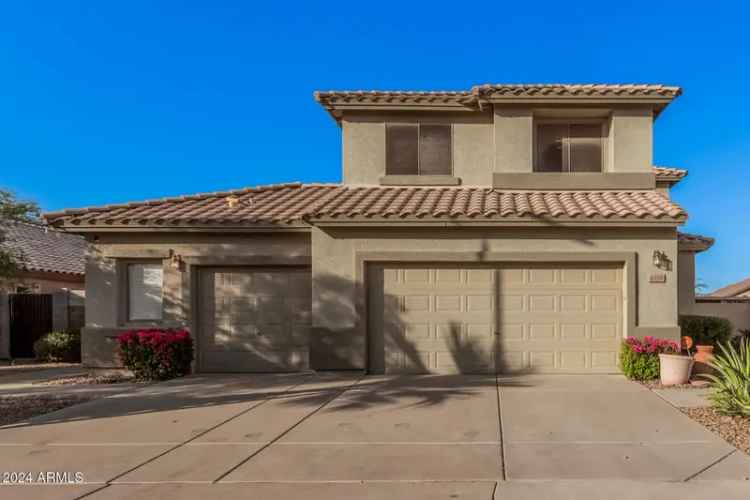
x=348 y=436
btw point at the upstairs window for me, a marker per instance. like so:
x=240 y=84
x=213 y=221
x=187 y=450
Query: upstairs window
x=418 y=149
x=145 y=291
x=569 y=147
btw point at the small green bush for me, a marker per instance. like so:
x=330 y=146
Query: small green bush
x=59 y=346
x=638 y=366
x=639 y=359
x=706 y=330
x=156 y=354
x=731 y=394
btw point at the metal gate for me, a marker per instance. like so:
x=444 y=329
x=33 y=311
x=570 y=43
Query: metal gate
x=30 y=318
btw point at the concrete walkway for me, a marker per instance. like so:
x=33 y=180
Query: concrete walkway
x=686 y=398
x=347 y=436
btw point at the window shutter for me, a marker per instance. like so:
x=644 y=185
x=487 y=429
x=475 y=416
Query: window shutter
x=435 y=152
x=145 y=291
x=402 y=149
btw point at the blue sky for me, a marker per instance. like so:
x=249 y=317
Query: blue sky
x=106 y=102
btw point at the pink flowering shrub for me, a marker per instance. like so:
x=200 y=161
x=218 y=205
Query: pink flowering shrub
x=156 y=354
x=639 y=359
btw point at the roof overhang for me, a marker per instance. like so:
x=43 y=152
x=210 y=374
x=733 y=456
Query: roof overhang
x=293 y=207
x=694 y=243
x=481 y=97
x=182 y=228
x=505 y=222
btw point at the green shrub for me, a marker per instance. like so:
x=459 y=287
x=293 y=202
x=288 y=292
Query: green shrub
x=639 y=359
x=59 y=346
x=638 y=366
x=706 y=330
x=731 y=394
x=156 y=354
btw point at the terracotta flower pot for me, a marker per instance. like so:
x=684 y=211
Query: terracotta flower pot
x=675 y=369
x=703 y=358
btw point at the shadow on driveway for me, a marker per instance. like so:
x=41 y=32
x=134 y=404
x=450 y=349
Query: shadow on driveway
x=302 y=389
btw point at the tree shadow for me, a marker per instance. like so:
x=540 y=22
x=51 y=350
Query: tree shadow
x=337 y=339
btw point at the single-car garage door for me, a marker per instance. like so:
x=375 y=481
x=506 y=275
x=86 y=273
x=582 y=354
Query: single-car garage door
x=253 y=319
x=462 y=319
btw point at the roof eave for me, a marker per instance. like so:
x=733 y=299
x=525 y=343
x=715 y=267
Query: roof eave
x=183 y=228
x=549 y=222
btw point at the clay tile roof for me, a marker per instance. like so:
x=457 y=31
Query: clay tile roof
x=303 y=203
x=694 y=242
x=336 y=100
x=392 y=96
x=41 y=248
x=669 y=174
x=578 y=90
x=732 y=290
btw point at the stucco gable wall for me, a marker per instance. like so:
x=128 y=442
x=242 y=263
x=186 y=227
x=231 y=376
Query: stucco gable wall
x=339 y=255
x=105 y=301
x=363 y=139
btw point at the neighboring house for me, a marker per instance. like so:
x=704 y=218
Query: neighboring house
x=50 y=260
x=508 y=227
x=738 y=290
x=52 y=270
x=731 y=302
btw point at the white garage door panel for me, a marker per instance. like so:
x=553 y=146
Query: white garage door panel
x=546 y=318
x=254 y=319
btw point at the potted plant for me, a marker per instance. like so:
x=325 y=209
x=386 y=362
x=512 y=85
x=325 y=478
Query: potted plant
x=641 y=359
x=707 y=331
x=674 y=367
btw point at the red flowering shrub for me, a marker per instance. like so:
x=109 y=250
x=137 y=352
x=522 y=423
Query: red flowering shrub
x=639 y=359
x=156 y=354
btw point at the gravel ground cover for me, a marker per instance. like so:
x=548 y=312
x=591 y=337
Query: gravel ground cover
x=89 y=380
x=693 y=384
x=19 y=408
x=735 y=430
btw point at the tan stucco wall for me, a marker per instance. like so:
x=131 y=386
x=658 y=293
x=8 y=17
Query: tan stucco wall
x=514 y=140
x=686 y=282
x=337 y=258
x=363 y=137
x=736 y=312
x=105 y=315
x=501 y=141
x=631 y=140
x=338 y=288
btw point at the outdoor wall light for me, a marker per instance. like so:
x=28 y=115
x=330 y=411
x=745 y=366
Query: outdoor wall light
x=660 y=259
x=176 y=261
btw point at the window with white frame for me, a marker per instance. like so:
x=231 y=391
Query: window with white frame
x=145 y=291
x=569 y=147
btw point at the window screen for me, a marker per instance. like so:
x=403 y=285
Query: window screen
x=434 y=150
x=418 y=149
x=144 y=291
x=585 y=148
x=402 y=145
x=569 y=148
x=550 y=150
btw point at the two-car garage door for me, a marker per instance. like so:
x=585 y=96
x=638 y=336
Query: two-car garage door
x=457 y=318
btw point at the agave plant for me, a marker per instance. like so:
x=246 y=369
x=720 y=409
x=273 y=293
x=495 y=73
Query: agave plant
x=731 y=381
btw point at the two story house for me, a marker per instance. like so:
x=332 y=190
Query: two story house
x=504 y=228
